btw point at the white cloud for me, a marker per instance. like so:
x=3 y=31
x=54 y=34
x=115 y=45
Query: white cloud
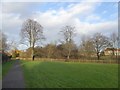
x=104 y=12
x=103 y=27
x=62 y=16
x=54 y=20
x=11 y=25
x=14 y=7
x=10 y=22
x=61 y=0
x=93 y=17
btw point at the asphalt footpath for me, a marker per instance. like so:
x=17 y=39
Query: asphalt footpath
x=14 y=78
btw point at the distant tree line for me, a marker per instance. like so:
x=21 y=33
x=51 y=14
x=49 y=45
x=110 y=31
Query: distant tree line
x=4 y=57
x=51 y=51
x=91 y=47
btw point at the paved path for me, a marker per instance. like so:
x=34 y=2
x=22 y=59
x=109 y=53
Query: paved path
x=14 y=78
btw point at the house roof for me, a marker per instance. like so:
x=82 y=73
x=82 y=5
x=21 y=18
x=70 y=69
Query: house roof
x=110 y=49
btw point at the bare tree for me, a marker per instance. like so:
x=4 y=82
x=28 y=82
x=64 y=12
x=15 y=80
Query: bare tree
x=13 y=45
x=3 y=41
x=118 y=40
x=100 y=42
x=32 y=33
x=68 y=33
x=86 y=47
x=13 y=48
x=50 y=50
x=113 y=38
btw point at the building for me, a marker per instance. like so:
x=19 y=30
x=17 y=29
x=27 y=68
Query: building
x=112 y=51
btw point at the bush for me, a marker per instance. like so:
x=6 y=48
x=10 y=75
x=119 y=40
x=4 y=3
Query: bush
x=4 y=57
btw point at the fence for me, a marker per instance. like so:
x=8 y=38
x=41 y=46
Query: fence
x=72 y=60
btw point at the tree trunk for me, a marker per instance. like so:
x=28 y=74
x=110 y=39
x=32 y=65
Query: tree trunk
x=68 y=57
x=113 y=52
x=32 y=55
x=69 y=52
x=98 y=56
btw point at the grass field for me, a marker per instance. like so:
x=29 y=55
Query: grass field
x=0 y=71
x=69 y=75
x=6 y=67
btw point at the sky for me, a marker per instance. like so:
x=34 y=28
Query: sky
x=87 y=17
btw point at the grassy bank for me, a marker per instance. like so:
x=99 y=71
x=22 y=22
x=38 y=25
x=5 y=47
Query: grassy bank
x=69 y=75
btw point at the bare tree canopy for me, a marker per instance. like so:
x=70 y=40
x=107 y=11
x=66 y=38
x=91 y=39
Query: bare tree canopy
x=50 y=48
x=113 y=38
x=118 y=39
x=86 y=47
x=100 y=42
x=68 y=33
x=3 y=41
x=32 y=33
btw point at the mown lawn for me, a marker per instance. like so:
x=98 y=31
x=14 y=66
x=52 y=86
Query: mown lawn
x=69 y=75
x=6 y=67
x=0 y=71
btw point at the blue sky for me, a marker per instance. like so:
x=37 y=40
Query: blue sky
x=87 y=17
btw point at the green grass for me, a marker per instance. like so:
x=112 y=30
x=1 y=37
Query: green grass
x=0 y=71
x=6 y=67
x=69 y=75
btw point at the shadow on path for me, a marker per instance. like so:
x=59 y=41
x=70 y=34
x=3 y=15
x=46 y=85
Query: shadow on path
x=14 y=78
